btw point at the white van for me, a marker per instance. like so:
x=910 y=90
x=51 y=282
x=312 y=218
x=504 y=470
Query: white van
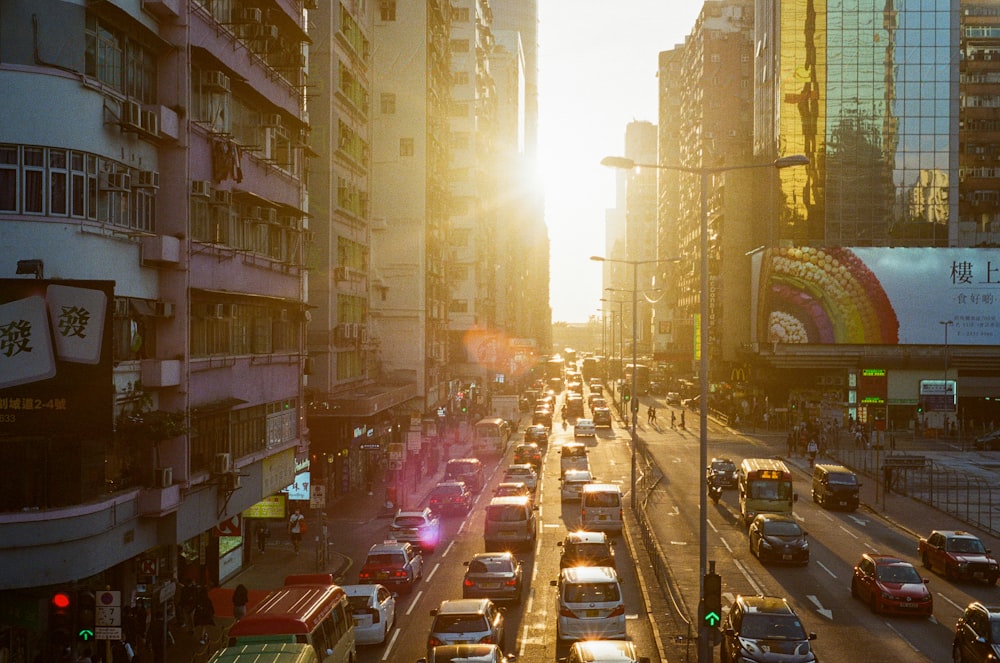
x=573 y=456
x=589 y=604
x=601 y=508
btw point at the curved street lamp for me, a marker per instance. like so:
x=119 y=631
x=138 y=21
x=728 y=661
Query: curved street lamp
x=704 y=651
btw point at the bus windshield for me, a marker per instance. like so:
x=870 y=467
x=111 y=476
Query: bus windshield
x=769 y=489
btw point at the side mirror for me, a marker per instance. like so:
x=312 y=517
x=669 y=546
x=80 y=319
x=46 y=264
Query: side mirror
x=729 y=632
x=812 y=636
x=795 y=497
x=465 y=563
x=553 y=583
x=559 y=543
x=926 y=580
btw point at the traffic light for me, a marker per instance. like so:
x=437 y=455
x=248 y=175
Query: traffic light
x=626 y=394
x=712 y=605
x=61 y=618
x=86 y=615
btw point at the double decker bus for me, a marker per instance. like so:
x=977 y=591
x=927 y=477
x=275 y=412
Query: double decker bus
x=765 y=486
x=641 y=378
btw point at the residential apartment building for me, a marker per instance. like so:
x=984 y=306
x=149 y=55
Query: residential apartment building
x=154 y=211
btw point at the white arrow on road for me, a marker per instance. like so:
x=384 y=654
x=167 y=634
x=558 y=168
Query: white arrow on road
x=860 y=521
x=819 y=607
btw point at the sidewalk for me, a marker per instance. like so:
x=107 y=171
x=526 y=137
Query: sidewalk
x=268 y=570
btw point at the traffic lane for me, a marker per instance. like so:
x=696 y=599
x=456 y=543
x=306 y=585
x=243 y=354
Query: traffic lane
x=677 y=524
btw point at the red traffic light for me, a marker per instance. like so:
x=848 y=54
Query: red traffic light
x=61 y=600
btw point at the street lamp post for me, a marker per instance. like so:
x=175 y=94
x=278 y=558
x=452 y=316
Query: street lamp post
x=634 y=402
x=621 y=338
x=944 y=387
x=705 y=173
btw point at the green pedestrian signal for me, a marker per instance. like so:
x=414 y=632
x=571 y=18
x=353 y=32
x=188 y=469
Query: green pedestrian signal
x=712 y=601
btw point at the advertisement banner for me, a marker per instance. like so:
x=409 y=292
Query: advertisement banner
x=882 y=296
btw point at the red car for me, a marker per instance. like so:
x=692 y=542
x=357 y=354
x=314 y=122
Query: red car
x=890 y=585
x=450 y=497
x=528 y=452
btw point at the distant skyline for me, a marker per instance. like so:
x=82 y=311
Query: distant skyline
x=597 y=72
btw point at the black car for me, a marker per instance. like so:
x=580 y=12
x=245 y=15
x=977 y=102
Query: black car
x=450 y=497
x=722 y=471
x=777 y=537
x=538 y=435
x=758 y=624
x=586 y=549
x=977 y=634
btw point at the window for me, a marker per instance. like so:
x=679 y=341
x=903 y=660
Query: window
x=406 y=147
x=32 y=200
x=387 y=103
x=8 y=178
x=458 y=306
x=459 y=14
x=349 y=365
x=460 y=78
x=118 y=61
x=459 y=45
x=387 y=10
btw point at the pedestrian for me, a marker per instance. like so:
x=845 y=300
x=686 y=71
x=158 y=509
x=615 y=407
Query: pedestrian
x=683 y=426
x=204 y=613
x=156 y=636
x=296 y=526
x=812 y=449
x=262 y=532
x=240 y=599
x=887 y=472
x=650 y=413
x=673 y=419
x=187 y=602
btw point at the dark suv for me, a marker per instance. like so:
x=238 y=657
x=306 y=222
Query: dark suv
x=977 y=634
x=586 y=549
x=468 y=470
x=758 y=624
x=450 y=497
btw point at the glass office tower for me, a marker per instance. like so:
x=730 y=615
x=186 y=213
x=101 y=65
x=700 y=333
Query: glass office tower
x=868 y=90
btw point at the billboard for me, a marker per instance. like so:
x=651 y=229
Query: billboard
x=882 y=296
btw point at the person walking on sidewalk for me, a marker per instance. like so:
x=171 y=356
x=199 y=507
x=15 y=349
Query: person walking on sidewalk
x=673 y=419
x=240 y=599
x=295 y=527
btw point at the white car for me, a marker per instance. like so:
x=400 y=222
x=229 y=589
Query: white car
x=584 y=428
x=420 y=528
x=374 y=610
x=573 y=482
x=524 y=473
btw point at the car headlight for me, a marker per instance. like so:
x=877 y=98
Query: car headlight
x=888 y=596
x=750 y=647
x=962 y=566
x=765 y=543
x=805 y=545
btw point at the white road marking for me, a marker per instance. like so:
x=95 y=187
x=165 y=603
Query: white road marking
x=433 y=571
x=413 y=603
x=726 y=544
x=819 y=607
x=746 y=574
x=823 y=566
x=950 y=602
x=451 y=543
x=849 y=532
x=860 y=521
x=678 y=543
x=901 y=637
x=392 y=641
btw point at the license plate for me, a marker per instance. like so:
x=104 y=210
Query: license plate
x=592 y=613
x=602 y=517
x=786 y=557
x=489 y=585
x=979 y=574
x=908 y=605
x=507 y=532
x=842 y=503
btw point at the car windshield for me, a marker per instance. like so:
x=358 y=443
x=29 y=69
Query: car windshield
x=386 y=559
x=514 y=491
x=771 y=627
x=898 y=573
x=409 y=521
x=505 y=513
x=591 y=592
x=358 y=603
x=491 y=565
x=723 y=467
x=781 y=528
x=443 y=491
x=603 y=500
x=966 y=545
x=460 y=624
x=574 y=451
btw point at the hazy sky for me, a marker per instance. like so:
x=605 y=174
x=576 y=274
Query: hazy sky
x=597 y=72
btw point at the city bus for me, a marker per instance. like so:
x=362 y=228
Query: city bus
x=490 y=436
x=765 y=486
x=308 y=609
x=641 y=378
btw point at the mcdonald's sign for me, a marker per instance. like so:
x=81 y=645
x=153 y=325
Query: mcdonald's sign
x=739 y=374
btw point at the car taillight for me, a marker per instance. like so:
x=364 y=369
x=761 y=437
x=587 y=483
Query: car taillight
x=512 y=582
x=433 y=642
x=487 y=640
x=566 y=612
x=583 y=514
x=399 y=573
x=364 y=575
x=376 y=617
x=617 y=612
x=468 y=583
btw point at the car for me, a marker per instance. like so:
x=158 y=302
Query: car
x=977 y=634
x=573 y=482
x=573 y=456
x=374 y=610
x=723 y=471
x=524 y=473
x=493 y=575
x=395 y=564
x=466 y=621
x=602 y=416
x=958 y=555
x=467 y=654
x=574 y=406
x=584 y=428
x=450 y=497
x=673 y=398
x=764 y=628
x=891 y=585
x=467 y=470
x=988 y=442
x=421 y=528
x=777 y=537
x=603 y=651
x=528 y=452
x=597 y=388
x=538 y=435
x=510 y=522
x=542 y=418
x=582 y=548
x=512 y=489
x=596 y=398
x=589 y=604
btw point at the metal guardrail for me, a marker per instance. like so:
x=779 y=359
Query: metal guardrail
x=959 y=494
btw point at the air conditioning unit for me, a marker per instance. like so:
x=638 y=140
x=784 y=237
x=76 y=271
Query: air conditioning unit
x=150 y=122
x=223 y=464
x=340 y=273
x=215 y=80
x=364 y=333
x=221 y=197
x=131 y=114
x=201 y=188
x=270 y=215
x=252 y=213
x=163 y=309
x=232 y=481
x=164 y=477
x=115 y=181
x=271 y=120
x=148 y=179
